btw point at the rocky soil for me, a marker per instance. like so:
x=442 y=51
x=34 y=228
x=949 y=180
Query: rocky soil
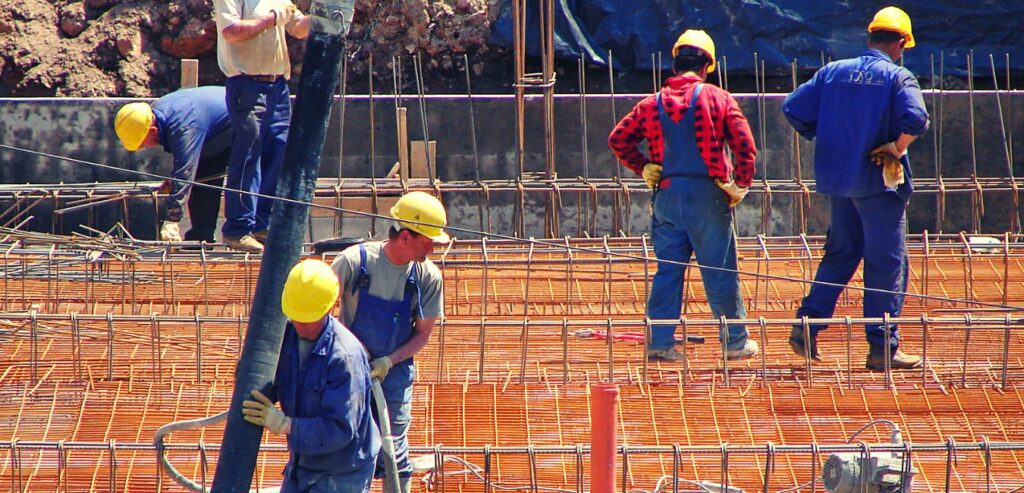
x=132 y=47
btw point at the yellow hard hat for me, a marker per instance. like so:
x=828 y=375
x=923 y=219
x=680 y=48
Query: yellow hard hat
x=132 y=124
x=893 y=19
x=697 y=38
x=422 y=207
x=310 y=291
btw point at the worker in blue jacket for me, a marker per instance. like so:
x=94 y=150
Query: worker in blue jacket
x=193 y=125
x=323 y=385
x=863 y=113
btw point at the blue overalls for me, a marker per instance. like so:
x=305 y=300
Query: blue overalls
x=383 y=325
x=691 y=215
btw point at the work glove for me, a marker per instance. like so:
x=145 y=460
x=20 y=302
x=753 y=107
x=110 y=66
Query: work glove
x=264 y=413
x=734 y=191
x=169 y=231
x=888 y=157
x=652 y=174
x=380 y=367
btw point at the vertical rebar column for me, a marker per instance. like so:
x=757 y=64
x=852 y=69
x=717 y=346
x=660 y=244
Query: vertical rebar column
x=603 y=437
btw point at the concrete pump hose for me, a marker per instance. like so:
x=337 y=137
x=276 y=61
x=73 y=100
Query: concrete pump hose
x=167 y=429
x=387 y=442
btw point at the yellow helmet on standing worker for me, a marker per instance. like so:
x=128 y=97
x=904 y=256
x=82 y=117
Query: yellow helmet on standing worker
x=132 y=124
x=310 y=292
x=421 y=207
x=696 y=38
x=896 y=20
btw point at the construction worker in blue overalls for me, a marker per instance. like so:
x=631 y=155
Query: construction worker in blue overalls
x=686 y=126
x=323 y=385
x=394 y=297
x=863 y=113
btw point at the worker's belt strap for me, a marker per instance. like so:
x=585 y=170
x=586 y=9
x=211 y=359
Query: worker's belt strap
x=667 y=182
x=261 y=78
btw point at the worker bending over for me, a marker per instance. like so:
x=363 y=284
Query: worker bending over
x=863 y=113
x=253 y=54
x=393 y=298
x=323 y=385
x=687 y=125
x=193 y=125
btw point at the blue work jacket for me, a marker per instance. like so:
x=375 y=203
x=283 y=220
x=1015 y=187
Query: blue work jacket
x=851 y=107
x=328 y=399
x=193 y=123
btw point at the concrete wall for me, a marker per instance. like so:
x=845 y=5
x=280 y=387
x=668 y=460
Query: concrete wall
x=82 y=129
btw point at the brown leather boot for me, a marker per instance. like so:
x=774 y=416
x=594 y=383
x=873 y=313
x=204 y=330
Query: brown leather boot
x=899 y=360
x=244 y=243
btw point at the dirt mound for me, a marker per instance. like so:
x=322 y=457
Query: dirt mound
x=132 y=47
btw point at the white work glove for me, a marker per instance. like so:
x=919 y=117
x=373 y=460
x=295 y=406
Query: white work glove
x=169 y=231
x=735 y=192
x=380 y=367
x=888 y=157
x=262 y=412
x=652 y=174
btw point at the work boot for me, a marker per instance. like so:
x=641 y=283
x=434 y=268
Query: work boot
x=169 y=231
x=669 y=354
x=244 y=243
x=796 y=341
x=899 y=361
x=261 y=236
x=749 y=350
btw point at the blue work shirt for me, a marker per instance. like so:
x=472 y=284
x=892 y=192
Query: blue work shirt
x=328 y=399
x=851 y=107
x=193 y=123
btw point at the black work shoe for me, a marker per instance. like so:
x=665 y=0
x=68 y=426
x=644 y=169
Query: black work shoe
x=796 y=341
x=899 y=360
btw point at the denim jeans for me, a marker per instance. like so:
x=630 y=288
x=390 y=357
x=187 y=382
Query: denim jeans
x=868 y=228
x=260 y=113
x=692 y=216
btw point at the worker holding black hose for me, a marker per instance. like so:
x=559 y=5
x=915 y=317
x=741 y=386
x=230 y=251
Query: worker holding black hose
x=323 y=385
x=393 y=299
x=863 y=113
x=687 y=125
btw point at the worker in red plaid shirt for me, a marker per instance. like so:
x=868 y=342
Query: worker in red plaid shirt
x=686 y=125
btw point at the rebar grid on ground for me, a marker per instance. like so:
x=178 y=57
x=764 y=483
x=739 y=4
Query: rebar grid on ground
x=558 y=277
x=96 y=437
x=562 y=199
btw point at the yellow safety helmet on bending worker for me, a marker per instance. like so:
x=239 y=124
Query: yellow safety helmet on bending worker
x=310 y=292
x=132 y=124
x=896 y=20
x=697 y=38
x=422 y=213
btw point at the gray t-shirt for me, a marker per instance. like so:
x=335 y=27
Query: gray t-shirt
x=387 y=281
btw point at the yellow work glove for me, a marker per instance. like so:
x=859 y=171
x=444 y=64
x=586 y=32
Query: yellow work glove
x=652 y=174
x=735 y=192
x=888 y=157
x=262 y=412
x=380 y=367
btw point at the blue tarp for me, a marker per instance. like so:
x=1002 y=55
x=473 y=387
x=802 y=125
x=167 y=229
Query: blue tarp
x=780 y=32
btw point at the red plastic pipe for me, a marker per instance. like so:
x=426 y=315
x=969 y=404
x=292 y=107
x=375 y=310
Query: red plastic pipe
x=603 y=437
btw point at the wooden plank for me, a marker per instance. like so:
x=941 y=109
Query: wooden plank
x=189 y=72
x=403 y=141
x=418 y=159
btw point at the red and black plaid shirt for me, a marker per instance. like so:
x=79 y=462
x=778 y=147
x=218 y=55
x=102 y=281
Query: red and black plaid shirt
x=714 y=105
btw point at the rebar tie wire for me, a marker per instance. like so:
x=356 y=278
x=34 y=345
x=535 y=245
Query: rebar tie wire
x=375 y=216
